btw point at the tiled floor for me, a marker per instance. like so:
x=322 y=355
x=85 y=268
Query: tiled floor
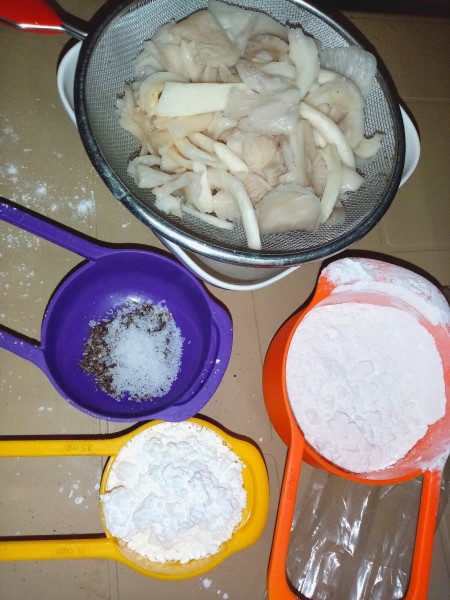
x=43 y=166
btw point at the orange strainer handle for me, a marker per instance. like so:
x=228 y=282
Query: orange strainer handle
x=277 y=585
x=426 y=528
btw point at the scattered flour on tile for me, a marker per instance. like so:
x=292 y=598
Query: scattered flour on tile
x=8 y=131
x=42 y=195
x=207 y=582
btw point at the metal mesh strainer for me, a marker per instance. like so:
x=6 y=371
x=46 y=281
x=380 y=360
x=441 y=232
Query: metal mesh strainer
x=105 y=65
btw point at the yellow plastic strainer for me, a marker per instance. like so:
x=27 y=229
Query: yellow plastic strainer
x=250 y=528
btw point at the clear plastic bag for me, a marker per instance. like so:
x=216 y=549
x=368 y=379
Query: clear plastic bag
x=354 y=541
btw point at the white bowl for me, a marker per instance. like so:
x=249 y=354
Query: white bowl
x=224 y=275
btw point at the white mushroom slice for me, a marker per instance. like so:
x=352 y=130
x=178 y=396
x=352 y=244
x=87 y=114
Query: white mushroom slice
x=192 y=68
x=297 y=145
x=220 y=125
x=159 y=141
x=326 y=75
x=181 y=127
x=266 y=25
x=148 y=160
x=256 y=186
x=319 y=140
x=173 y=162
x=225 y=207
x=151 y=87
x=288 y=208
x=333 y=183
x=190 y=151
x=210 y=219
x=259 y=82
x=171 y=205
x=352 y=62
x=277 y=114
x=221 y=180
x=148 y=177
x=212 y=46
x=227 y=75
x=231 y=160
x=171 y=56
x=148 y=61
x=330 y=131
x=202 y=141
x=127 y=108
x=200 y=195
x=319 y=172
x=176 y=183
x=236 y=22
x=184 y=99
x=346 y=106
x=242 y=101
x=303 y=53
x=368 y=147
x=267 y=48
x=279 y=69
x=351 y=180
x=259 y=151
x=166 y=34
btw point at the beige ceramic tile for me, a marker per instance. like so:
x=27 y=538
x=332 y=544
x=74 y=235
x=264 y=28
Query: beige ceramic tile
x=55 y=496
x=433 y=263
x=71 y=580
x=27 y=283
x=43 y=166
x=274 y=304
x=238 y=402
x=419 y=218
x=414 y=48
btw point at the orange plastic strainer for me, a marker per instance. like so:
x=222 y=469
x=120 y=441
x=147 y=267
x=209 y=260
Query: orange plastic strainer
x=436 y=443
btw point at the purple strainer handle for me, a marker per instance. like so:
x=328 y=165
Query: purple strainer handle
x=24 y=349
x=15 y=215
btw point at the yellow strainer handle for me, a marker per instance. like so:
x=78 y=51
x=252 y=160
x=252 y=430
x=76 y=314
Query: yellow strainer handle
x=53 y=549
x=63 y=447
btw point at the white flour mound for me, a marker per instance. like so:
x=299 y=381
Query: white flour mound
x=364 y=382
x=175 y=493
x=369 y=275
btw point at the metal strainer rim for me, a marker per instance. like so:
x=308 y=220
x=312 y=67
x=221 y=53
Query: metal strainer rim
x=164 y=229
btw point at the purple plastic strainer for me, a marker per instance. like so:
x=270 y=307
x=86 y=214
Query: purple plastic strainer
x=102 y=284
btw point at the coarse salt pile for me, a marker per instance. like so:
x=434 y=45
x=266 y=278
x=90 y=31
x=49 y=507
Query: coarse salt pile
x=137 y=352
x=364 y=382
x=174 y=493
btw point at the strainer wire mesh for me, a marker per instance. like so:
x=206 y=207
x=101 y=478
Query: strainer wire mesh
x=105 y=65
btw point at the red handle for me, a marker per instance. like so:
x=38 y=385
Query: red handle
x=31 y=15
x=277 y=584
x=426 y=529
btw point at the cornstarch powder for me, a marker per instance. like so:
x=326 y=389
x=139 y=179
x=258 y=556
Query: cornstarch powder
x=365 y=382
x=174 y=493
